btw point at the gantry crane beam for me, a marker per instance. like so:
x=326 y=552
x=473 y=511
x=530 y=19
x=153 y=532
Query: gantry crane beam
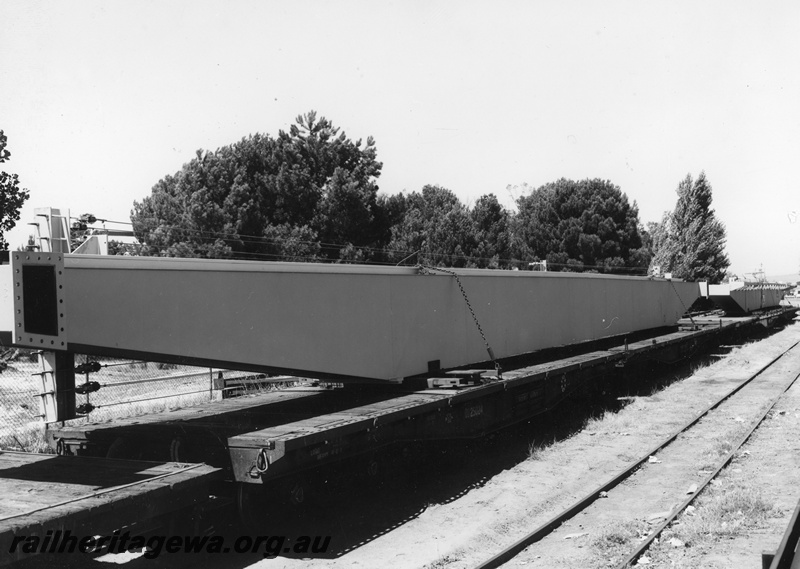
x=339 y=322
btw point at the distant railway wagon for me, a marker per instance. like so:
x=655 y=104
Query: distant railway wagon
x=741 y=297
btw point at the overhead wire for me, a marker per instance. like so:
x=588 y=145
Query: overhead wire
x=261 y=239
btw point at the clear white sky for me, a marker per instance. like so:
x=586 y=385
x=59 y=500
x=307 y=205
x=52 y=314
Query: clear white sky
x=100 y=100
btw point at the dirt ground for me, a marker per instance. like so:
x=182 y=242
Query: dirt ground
x=744 y=512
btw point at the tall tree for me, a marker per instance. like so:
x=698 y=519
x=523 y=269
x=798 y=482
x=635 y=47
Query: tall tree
x=12 y=197
x=690 y=241
x=306 y=186
x=492 y=226
x=581 y=225
x=437 y=226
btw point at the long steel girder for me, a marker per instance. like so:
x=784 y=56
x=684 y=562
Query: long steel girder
x=343 y=322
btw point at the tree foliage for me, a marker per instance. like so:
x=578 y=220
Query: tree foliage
x=12 y=197
x=689 y=242
x=580 y=225
x=311 y=194
x=266 y=197
x=437 y=225
x=492 y=229
x=437 y=229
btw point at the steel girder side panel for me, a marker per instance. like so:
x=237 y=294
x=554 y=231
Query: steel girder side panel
x=743 y=297
x=685 y=293
x=314 y=321
x=520 y=314
x=429 y=323
x=548 y=310
x=352 y=321
x=767 y=296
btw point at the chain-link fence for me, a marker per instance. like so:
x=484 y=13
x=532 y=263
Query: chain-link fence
x=21 y=424
x=126 y=388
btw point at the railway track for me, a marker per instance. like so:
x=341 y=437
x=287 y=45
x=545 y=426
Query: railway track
x=682 y=435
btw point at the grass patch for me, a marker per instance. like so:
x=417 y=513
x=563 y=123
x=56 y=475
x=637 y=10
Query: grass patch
x=722 y=447
x=536 y=450
x=616 y=540
x=696 y=366
x=610 y=422
x=444 y=561
x=726 y=513
x=30 y=438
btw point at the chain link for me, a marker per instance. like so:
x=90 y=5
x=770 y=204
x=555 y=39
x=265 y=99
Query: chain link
x=685 y=310
x=429 y=270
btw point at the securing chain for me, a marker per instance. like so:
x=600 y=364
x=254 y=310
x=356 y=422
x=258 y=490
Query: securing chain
x=685 y=310
x=427 y=270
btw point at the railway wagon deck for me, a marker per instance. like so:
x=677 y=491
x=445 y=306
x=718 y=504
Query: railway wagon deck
x=51 y=503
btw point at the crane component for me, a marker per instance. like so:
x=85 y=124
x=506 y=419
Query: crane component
x=280 y=435
x=739 y=297
x=339 y=322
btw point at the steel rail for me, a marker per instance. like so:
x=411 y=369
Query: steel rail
x=644 y=545
x=786 y=556
x=542 y=531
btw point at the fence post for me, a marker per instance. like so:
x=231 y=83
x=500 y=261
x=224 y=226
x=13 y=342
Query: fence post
x=57 y=398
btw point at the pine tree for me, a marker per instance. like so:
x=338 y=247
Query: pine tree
x=581 y=225
x=270 y=197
